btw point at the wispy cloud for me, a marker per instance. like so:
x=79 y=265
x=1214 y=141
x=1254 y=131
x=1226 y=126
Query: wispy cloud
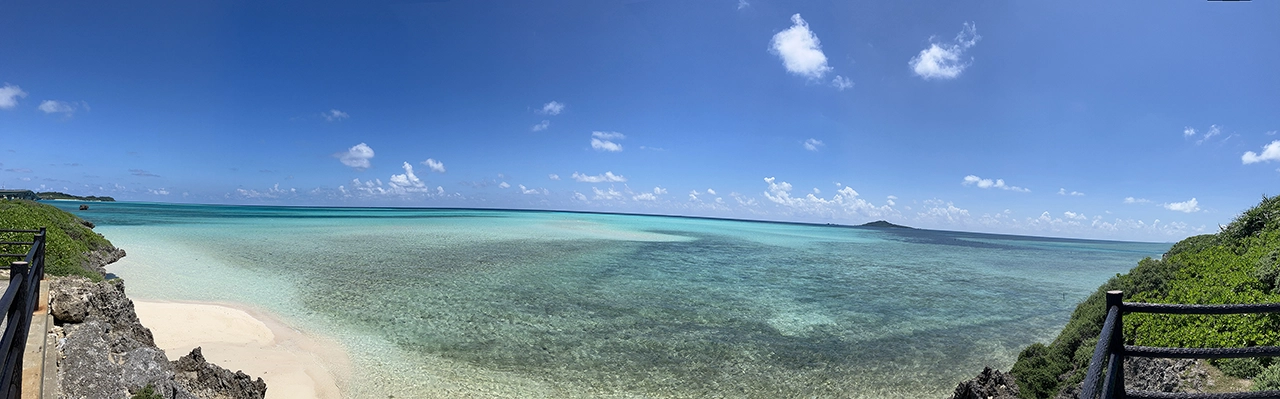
x=841 y=83
x=1214 y=130
x=608 y=177
x=541 y=126
x=942 y=60
x=504 y=185
x=1131 y=200
x=1270 y=152
x=357 y=156
x=988 y=183
x=143 y=173
x=61 y=107
x=812 y=144
x=334 y=115
x=602 y=141
x=1063 y=191
x=9 y=95
x=743 y=4
x=530 y=191
x=552 y=108
x=553 y=176
x=434 y=165
x=606 y=194
x=18 y=170
x=800 y=50
x=1188 y=131
x=1187 y=206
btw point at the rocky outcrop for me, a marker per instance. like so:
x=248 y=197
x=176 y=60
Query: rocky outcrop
x=105 y=352
x=1154 y=375
x=990 y=384
x=98 y=259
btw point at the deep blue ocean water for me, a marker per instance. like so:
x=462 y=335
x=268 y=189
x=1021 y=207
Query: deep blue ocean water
x=490 y=303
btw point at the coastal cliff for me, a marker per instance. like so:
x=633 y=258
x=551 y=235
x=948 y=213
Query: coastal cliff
x=105 y=352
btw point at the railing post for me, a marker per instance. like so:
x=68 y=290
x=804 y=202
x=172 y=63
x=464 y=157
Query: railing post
x=1116 y=299
x=39 y=261
x=17 y=314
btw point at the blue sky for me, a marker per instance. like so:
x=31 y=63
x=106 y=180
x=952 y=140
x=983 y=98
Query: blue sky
x=1139 y=120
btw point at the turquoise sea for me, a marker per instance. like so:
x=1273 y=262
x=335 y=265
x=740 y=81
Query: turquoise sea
x=492 y=303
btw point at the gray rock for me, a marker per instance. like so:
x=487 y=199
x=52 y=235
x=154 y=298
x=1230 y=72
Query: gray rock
x=74 y=299
x=207 y=380
x=1163 y=375
x=98 y=259
x=87 y=368
x=990 y=384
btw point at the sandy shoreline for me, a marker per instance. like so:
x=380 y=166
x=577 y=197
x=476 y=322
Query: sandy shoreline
x=294 y=364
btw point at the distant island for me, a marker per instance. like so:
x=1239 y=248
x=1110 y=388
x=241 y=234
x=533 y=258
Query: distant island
x=882 y=223
x=54 y=195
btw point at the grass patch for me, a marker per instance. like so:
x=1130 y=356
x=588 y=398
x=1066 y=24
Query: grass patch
x=67 y=238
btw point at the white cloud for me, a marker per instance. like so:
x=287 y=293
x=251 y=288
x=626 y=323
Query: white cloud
x=408 y=180
x=605 y=145
x=1185 y=206
x=63 y=107
x=659 y=190
x=710 y=191
x=606 y=177
x=335 y=115
x=606 y=195
x=1063 y=191
x=1214 y=130
x=988 y=183
x=503 y=185
x=743 y=4
x=9 y=95
x=434 y=165
x=645 y=197
x=161 y=191
x=844 y=202
x=1131 y=200
x=693 y=195
x=578 y=196
x=942 y=61
x=439 y=190
x=357 y=156
x=526 y=190
x=1270 y=152
x=841 y=83
x=1188 y=131
x=800 y=50
x=608 y=135
x=1073 y=215
x=553 y=176
x=813 y=144
x=553 y=108
x=541 y=126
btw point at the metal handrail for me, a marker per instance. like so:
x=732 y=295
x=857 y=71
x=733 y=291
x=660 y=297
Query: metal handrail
x=18 y=303
x=1111 y=346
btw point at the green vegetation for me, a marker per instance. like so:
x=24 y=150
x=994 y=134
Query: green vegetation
x=68 y=238
x=48 y=195
x=148 y=392
x=1240 y=264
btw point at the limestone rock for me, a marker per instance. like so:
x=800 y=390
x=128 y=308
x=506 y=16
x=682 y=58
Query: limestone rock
x=990 y=384
x=207 y=380
x=98 y=259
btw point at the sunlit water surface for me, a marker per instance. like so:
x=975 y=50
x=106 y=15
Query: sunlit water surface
x=480 y=303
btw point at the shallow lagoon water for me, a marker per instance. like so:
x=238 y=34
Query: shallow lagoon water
x=486 y=303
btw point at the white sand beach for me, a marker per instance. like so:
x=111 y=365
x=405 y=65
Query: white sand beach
x=294 y=364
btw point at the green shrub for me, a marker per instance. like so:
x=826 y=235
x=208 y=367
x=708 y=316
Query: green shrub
x=67 y=238
x=1264 y=216
x=148 y=392
x=1193 y=244
x=1267 y=271
x=1269 y=379
x=1248 y=367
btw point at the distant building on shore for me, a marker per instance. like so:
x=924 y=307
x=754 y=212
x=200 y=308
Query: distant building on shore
x=18 y=194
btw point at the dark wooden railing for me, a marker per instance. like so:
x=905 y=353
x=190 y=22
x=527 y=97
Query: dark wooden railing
x=18 y=302
x=1112 y=350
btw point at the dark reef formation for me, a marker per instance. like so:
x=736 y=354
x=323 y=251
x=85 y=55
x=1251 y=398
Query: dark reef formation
x=105 y=352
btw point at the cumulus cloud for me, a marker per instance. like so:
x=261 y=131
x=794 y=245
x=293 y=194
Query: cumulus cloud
x=710 y=191
x=606 y=194
x=644 y=197
x=335 y=115
x=503 y=185
x=59 y=107
x=988 y=183
x=943 y=60
x=526 y=190
x=1184 y=206
x=1270 y=152
x=800 y=50
x=541 y=126
x=608 y=177
x=1188 y=131
x=841 y=83
x=1131 y=200
x=844 y=202
x=602 y=141
x=813 y=144
x=553 y=176
x=434 y=165
x=578 y=196
x=659 y=190
x=1063 y=191
x=357 y=156
x=553 y=108
x=9 y=95
x=408 y=179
